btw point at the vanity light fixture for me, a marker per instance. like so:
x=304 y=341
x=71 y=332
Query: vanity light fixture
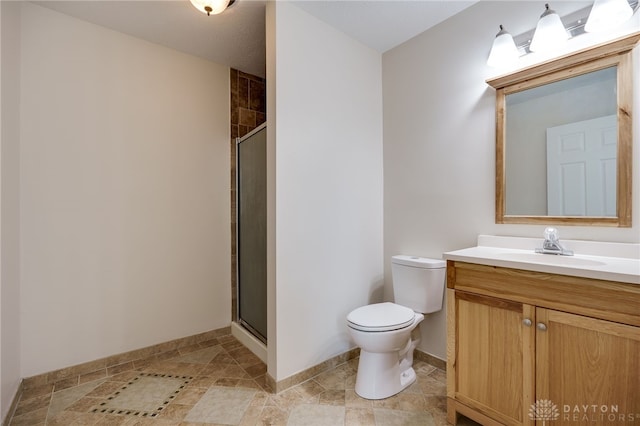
x=504 y=51
x=608 y=14
x=602 y=15
x=550 y=32
x=212 y=7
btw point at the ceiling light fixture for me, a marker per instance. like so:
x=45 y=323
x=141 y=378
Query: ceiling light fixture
x=212 y=7
x=550 y=32
x=504 y=51
x=608 y=14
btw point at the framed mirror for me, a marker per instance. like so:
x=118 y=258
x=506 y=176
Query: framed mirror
x=564 y=139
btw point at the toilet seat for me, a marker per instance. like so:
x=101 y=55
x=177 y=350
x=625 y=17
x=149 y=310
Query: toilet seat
x=381 y=317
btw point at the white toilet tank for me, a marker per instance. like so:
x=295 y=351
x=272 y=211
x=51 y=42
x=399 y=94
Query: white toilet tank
x=418 y=282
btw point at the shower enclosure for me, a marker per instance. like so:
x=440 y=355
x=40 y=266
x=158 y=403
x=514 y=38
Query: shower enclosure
x=251 y=232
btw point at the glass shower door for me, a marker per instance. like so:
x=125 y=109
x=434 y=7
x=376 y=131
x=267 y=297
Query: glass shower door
x=251 y=190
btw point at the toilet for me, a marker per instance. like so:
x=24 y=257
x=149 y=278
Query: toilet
x=387 y=333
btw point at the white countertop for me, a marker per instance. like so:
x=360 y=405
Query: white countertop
x=618 y=262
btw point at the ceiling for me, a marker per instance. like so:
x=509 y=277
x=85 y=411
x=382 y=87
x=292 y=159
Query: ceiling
x=382 y=25
x=237 y=37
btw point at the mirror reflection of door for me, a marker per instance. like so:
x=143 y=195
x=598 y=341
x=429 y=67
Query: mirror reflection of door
x=529 y=114
x=581 y=168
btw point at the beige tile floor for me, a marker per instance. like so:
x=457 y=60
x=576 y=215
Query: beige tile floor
x=220 y=382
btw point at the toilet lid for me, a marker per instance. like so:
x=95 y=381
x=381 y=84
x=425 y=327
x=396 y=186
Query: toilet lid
x=381 y=317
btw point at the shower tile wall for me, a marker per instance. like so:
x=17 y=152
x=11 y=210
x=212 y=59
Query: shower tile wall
x=248 y=111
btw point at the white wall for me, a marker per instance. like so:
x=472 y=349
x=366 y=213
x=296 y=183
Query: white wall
x=328 y=185
x=124 y=193
x=270 y=41
x=439 y=143
x=9 y=202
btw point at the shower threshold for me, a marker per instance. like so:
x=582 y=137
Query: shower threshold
x=255 y=345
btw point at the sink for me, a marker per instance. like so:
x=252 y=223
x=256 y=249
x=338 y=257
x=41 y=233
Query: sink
x=598 y=260
x=550 y=259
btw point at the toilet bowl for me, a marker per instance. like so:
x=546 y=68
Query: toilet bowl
x=387 y=333
x=386 y=350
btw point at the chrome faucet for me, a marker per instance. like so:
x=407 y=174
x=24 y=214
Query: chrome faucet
x=552 y=244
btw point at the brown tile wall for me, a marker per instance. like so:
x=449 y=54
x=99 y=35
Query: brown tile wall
x=248 y=111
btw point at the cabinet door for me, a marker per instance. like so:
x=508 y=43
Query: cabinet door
x=588 y=369
x=494 y=357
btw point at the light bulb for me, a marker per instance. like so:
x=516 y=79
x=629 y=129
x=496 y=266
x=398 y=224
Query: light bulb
x=503 y=51
x=608 y=14
x=550 y=33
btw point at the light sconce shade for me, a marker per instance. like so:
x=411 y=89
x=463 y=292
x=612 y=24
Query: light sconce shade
x=212 y=7
x=608 y=14
x=550 y=32
x=504 y=51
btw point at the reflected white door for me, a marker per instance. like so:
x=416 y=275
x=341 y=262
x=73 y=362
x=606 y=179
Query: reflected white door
x=581 y=168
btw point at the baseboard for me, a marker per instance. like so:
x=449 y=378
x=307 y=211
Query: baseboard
x=105 y=367
x=307 y=374
x=430 y=359
x=14 y=405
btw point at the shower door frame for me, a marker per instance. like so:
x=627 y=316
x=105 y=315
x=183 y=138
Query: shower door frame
x=238 y=318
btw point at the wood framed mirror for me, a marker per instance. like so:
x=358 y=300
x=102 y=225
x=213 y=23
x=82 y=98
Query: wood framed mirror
x=564 y=139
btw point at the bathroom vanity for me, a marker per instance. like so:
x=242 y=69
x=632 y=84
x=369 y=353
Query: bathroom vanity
x=536 y=338
x=527 y=332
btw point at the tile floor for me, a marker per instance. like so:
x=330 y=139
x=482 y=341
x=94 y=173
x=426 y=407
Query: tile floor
x=220 y=382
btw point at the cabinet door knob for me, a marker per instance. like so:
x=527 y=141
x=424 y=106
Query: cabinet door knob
x=541 y=326
x=527 y=322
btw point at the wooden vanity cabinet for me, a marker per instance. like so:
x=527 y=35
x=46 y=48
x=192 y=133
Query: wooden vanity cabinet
x=494 y=357
x=517 y=338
